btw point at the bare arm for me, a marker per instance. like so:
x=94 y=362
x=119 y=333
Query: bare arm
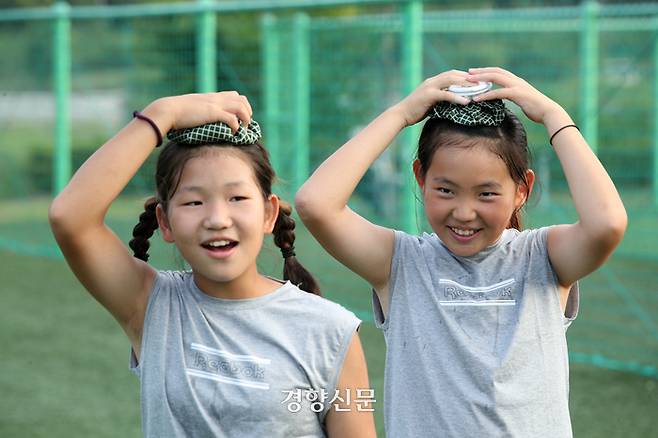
x=321 y=202
x=365 y=248
x=350 y=422
x=98 y=258
x=576 y=249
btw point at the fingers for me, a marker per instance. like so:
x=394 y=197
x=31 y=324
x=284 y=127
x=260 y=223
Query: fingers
x=487 y=70
x=449 y=96
x=246 y=101
x=497 y=75
x=243 y=111
x=437 y=95
x=448 y=78
x=510 y=84
x=498 y=93
x=500 y=79
x=475 y=70
x=231 y=120
x=458 y=77
x=436 y=87
x=231 y=108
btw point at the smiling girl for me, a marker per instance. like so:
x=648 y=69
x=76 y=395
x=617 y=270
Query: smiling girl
x=220 y=349
x=475 y=314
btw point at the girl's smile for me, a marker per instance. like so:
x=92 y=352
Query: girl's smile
x=469 y=197
x=218 y=217
x=219 y=247
x=463 y=235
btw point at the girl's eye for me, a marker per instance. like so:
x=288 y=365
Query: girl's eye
x=238 y=198
x=443 y=191
x=488 y=194
x=192 y=203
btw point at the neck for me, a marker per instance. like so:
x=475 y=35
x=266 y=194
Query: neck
x=250 y=284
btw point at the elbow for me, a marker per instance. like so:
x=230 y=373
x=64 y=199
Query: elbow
x=618 y=227
x=305 y=206
x=61 y=218
x=56 y=216
x=611 y=231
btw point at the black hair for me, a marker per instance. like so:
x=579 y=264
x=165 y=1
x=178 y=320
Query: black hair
x=169 y=168
x=509 y=141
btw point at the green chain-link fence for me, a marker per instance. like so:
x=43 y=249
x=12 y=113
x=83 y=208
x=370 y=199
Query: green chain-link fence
x=71 y=77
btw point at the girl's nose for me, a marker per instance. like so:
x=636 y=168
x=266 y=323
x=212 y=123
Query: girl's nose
x=217 y=218
x=464 y=213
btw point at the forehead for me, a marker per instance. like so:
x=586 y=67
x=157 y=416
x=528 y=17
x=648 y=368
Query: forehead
x=469 y=166
x=218 y=167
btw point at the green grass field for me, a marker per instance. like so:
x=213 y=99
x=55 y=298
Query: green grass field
x=64 y=361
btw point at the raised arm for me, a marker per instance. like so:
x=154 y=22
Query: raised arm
x=98 y=258
x=364 y=247
x=576 y=249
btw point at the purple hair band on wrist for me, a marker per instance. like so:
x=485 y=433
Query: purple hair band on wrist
x=141 y=116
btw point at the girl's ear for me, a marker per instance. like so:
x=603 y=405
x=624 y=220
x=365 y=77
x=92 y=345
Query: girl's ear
x=524 y=191
x=418 y=173
x=271 y=213
x=163 y=223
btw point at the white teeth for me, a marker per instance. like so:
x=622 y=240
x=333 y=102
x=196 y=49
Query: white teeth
x=218 y=243
x=464 y=233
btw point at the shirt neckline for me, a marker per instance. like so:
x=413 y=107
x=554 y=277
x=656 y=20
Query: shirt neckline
x=239 y=303
x=485 y=252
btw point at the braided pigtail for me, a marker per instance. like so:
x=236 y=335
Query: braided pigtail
x=148 y=223
x=284 y=238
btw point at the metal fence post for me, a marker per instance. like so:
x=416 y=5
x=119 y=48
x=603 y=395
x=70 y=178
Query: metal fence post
x=206 y=70
x=62 y=92
x=270 y=77
x=589 y=73
x=655 y=116
x=412 y=72
x=301 y=120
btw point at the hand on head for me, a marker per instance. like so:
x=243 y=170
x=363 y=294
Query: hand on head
x=191 y=110
x=534 y=104
x=435 y=89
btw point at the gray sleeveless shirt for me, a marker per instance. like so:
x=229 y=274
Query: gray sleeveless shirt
x=476 y=345
x=211 y=367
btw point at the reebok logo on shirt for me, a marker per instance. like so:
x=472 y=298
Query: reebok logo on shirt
x=455 y=294
x=226 y=367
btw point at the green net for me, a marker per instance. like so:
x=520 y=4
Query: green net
x=337 y=68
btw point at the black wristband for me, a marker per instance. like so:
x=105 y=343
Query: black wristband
x=558 y=131
x=141 y=116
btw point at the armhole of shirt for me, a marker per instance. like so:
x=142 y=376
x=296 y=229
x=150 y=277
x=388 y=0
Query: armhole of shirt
x=573 y=305
x=352 y=327
x=573 y=301
x=381 y=321
x=135 y=365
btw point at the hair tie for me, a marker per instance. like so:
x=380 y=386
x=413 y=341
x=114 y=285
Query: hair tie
x=288 y=252
x=219 y=132
x=158 y=134
x=550 y=140
x=485 y=113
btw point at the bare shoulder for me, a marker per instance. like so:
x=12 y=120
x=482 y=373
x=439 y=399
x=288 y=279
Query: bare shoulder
x=346 y=420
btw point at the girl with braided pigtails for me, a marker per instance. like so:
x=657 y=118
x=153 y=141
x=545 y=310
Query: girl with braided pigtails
x=474 y=314
x=221 y=350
